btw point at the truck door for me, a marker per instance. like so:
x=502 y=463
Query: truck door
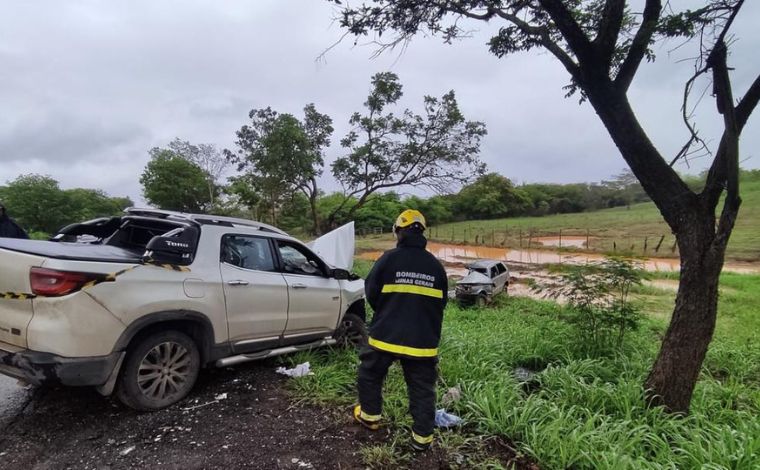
x=255 y=292
x=314 y=296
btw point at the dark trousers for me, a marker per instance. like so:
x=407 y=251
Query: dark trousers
x=420 y=376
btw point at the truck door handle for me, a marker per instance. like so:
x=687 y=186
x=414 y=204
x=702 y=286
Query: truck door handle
x=298 y=286
x=238 y=282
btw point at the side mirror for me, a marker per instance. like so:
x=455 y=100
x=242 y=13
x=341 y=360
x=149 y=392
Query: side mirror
x=340 y=274
x=174 y=247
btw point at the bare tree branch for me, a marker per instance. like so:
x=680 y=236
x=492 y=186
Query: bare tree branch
x=639 y=45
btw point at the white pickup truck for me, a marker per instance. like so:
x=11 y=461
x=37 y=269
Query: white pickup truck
x=138 y=304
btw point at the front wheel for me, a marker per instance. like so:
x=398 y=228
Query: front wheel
x=352 y=331
x=159 y=371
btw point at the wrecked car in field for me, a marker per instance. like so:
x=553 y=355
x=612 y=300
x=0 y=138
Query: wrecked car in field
x=484 y=280
x=157 y=295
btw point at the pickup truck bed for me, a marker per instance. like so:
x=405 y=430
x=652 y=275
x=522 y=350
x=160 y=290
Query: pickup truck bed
x=72 y=251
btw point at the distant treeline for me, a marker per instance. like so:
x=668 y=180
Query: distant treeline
x=41 y=207
x=491 y=196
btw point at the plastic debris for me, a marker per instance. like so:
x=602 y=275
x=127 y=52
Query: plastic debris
x=127 y=450
x=221 y=396
x=301 y=463
x=446 y=420
x=298 y=371
x=452 y=395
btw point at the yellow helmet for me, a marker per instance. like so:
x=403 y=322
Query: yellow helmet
x=409 y=217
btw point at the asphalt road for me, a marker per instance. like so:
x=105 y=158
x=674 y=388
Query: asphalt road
x=13 y=398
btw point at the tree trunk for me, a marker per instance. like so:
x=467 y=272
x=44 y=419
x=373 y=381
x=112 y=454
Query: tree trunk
x=675 y=372
x=315 y=215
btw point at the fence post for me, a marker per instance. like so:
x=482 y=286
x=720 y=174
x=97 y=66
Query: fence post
x=560 y=240
x=657 y=248
x=588 y=245
x=520 y=238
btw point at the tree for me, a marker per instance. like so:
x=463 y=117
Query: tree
x=172 y=182
x=86 y=204
x=36 y=202
x=207 y=157
x=601 y=44
x=279 y=154
x=40 y=205
x=491 y=196
x=438 y=149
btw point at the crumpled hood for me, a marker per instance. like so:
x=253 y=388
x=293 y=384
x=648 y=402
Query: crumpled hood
x=336 y=247
x=475 y=277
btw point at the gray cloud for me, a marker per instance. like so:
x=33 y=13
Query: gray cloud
x=88 y=87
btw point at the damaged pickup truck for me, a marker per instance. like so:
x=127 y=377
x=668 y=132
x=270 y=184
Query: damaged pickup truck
x=154 y=296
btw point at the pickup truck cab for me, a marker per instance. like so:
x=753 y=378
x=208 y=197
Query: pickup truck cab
x=138 y=304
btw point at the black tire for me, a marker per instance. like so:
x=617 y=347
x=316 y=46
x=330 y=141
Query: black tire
x=175 y=362
x=481 y=301
x=352 y=331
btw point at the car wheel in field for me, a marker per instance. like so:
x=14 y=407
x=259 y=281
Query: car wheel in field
x=160 y=370
x=352 y=331
x=481 y=301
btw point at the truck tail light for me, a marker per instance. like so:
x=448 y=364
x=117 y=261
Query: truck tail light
x=52 y=283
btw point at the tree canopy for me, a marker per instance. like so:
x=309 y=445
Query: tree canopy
x=438 y=149
x=278 y=154
x=174 y=183
x=39 y=204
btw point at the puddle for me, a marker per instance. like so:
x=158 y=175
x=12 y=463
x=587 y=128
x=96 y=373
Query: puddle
x=459 y=255
x=569 y=241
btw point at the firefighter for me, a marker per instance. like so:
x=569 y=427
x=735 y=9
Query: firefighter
x=8 y=227
x=407 y=289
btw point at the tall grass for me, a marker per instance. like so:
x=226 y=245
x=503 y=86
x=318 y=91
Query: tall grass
x=581 y=411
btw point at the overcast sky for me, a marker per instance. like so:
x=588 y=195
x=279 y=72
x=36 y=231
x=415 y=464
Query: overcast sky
x=88 y=87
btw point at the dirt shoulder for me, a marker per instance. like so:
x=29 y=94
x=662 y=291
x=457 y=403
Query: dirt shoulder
x=235 y=418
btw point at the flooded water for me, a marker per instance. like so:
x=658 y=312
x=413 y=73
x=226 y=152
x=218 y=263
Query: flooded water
x=462 y=254
x=565 y=242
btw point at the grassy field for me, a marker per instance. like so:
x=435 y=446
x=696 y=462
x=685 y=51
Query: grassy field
x=580 y=411
x=625 y=229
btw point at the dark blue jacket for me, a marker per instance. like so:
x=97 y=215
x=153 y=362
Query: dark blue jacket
x=407 y=288
x=10 y=229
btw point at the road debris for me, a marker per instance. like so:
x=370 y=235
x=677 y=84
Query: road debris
x=300 y=370
x=446 y=420
x=127 y=450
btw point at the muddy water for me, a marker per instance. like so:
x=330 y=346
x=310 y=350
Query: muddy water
x=564 y=242
x=461 y=254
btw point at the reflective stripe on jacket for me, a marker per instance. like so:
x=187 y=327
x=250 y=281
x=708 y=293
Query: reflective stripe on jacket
x=407 y=289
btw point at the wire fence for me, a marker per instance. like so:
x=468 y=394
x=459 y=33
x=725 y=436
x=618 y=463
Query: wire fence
x=562 y=240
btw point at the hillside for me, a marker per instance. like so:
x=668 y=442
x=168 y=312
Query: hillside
x=619 y=229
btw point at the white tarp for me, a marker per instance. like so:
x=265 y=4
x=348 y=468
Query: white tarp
x=336 y=247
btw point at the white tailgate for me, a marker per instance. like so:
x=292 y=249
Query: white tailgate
x=15 y=313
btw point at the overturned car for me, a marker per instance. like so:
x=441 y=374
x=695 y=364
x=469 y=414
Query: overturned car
x=484 y=280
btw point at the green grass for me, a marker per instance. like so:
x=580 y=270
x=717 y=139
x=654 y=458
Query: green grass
x=582 y=412
x=627 y=228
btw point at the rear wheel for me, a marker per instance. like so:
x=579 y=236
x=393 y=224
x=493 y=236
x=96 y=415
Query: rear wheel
x=352 y=331
x=159 y=370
